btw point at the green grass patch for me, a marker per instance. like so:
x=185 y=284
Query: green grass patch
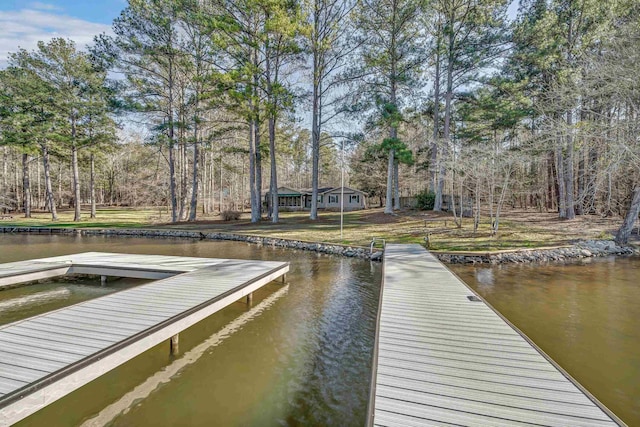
x=519 y=230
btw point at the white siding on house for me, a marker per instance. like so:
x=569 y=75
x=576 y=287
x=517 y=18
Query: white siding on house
x=352 y=199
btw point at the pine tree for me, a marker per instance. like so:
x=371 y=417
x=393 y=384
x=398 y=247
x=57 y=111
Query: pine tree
x=390 y=60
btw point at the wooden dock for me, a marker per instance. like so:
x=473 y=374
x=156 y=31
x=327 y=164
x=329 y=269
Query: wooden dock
x=46 y=357
x=444 y=357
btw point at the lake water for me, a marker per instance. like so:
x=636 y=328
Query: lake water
x=300 y=355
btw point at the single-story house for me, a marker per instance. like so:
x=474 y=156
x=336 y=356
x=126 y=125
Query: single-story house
x=328 y=198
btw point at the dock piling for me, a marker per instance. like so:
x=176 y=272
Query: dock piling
x=174 y=345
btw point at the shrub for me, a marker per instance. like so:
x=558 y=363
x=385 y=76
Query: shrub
x=426 y=200
x=231 y=215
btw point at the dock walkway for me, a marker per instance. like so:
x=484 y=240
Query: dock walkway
x=443 y=358
x=46 y=357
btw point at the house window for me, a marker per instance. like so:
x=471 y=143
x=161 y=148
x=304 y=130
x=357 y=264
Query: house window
x=333 y=198
x=354 y=198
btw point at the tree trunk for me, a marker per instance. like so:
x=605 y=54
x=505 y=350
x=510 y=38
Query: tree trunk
x=562 y=198
x=193 y=211
x=172 y=141
x=273 y=181
x=184 y=177
x=437 y=206
x=39 y=179
x=582 y=165
x=60 y=183
x=388 y=208
x=433 y=164
x=76 y=181
x=476 y=213
x=568 y=173
x=396 y=185
x=551 y=187
x=47 y=183
x=221 y=190
x=172 y=178
x=92 y=184
x=5 y=174
x=26 y=186
x=622 y=236
x=315 y=138
x=205 y=182
x=255 y=198
x=273 y=184
x=256 y=130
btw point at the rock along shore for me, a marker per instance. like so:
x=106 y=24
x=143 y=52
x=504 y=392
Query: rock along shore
x=325 y=248
x=583 y=249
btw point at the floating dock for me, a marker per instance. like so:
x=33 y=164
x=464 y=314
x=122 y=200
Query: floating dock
x=444 y=357
x=46 y=357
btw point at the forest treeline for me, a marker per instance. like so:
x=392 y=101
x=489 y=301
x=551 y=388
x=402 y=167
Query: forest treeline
x=194 y=104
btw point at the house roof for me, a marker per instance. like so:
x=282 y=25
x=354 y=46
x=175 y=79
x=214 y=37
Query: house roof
x=285 y=191
x=320 y=190
x=346 y=189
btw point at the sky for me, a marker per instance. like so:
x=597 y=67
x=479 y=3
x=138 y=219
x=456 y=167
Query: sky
x=23 y=23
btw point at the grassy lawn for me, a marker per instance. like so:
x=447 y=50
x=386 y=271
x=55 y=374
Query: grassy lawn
x=106 y=218
x=518 y=229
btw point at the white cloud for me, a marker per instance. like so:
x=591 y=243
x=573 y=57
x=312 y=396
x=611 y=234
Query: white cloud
x=43 y=6
x=24 y=28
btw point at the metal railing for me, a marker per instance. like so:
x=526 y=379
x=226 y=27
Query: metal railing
x=373 y=242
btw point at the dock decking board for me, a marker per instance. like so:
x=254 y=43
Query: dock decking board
x=45 y=357
x=442 y=359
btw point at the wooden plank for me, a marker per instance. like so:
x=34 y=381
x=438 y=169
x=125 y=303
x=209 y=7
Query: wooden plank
x=71 y=325
x=7 y=385
x=46 y=344
x=583 y=409
x=505 y=378
x=456 y=344
x=477 y=363
x=453 y=336
x=28 y=361
x=392 y=419
x=97 y=320
x=521 y=389
x=44 y=353
x=78 y=331
x=491 y=355
x=20 y=373
x=434 y=415
x=62 y=338
x=532 y=415
x=408 y=324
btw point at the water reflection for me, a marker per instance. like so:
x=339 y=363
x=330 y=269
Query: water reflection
x=484 y=276
x=168 y=373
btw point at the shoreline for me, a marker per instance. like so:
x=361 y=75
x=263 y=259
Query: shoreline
x=350 y=251
x=582 y=249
